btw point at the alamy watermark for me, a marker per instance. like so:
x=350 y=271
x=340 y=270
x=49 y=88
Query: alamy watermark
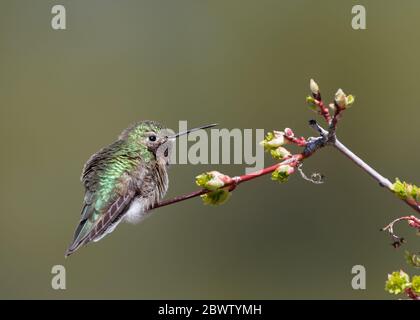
x=58 y=281
x=358 y=282
x=219 y=146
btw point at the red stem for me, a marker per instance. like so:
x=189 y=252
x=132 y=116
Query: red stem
x=180 y=198
x=292 y=161
x=411 y=294
x=323 y=110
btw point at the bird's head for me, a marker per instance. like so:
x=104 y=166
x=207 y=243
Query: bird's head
x=155 y=138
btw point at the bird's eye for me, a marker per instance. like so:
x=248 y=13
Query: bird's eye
x=152 y=137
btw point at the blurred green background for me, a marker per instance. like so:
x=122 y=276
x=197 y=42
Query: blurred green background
x=244 y=64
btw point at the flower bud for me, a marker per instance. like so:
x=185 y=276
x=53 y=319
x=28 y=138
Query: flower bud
x=406 y=191
x=311 y=103
x=273 y=140
x=314 y=87
x=216 y=197
x=342 y=100
x=397 y=282
x=350 y=100
x=282 y=173
x=289 y=133
x=415 y=284
x=280 y=153
x=212 y=180
x=414 y=222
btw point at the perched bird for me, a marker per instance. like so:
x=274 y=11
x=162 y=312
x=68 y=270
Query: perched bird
x=124 y=180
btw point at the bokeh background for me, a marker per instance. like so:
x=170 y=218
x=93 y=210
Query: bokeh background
x=244 y=64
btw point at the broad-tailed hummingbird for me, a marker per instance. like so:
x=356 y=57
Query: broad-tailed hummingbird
x=124 y=180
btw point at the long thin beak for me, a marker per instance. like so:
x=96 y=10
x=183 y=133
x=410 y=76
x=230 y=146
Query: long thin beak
x=176 y=135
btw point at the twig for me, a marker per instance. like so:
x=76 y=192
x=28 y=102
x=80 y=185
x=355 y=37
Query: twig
x=294 y=159
x=180 y=198
x=383 y=182
x=323 y=110
x=411 y=294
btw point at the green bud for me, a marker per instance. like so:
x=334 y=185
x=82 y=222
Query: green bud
x=397 y=282
x=216 y=197
x=280 y=153
x=415 y=284
x=342 y=100
x=406 y=191
x=314 y=87
x=399 y=188
x=273 y=140
x=311 y=103
x=282 y=173
x=212 y=180
x=350 y=100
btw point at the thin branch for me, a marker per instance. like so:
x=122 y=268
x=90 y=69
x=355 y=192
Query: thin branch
x=293 y=160
x=383 y=182
x=323 y=109
x=333 y=125
x=180 y=198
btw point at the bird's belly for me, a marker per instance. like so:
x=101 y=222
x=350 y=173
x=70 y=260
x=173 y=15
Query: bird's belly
x=137 y=211
x=148 y=195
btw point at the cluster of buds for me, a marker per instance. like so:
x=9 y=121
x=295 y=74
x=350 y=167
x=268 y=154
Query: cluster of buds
x=342 y=101
x=399 y=282
x=274 y=142
x=218 y=183
x=408 y=192
x=282 y=173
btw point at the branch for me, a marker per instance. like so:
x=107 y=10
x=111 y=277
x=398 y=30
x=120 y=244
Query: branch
x=180 y=198
x=383 y=182
x=235 y=181
x=215 y=181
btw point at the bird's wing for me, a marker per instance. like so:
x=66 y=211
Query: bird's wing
x=99 y=212
x=95 y=223
x=97 y=164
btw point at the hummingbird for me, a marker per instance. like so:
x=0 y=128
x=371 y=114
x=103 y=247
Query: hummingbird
x=124 y=180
